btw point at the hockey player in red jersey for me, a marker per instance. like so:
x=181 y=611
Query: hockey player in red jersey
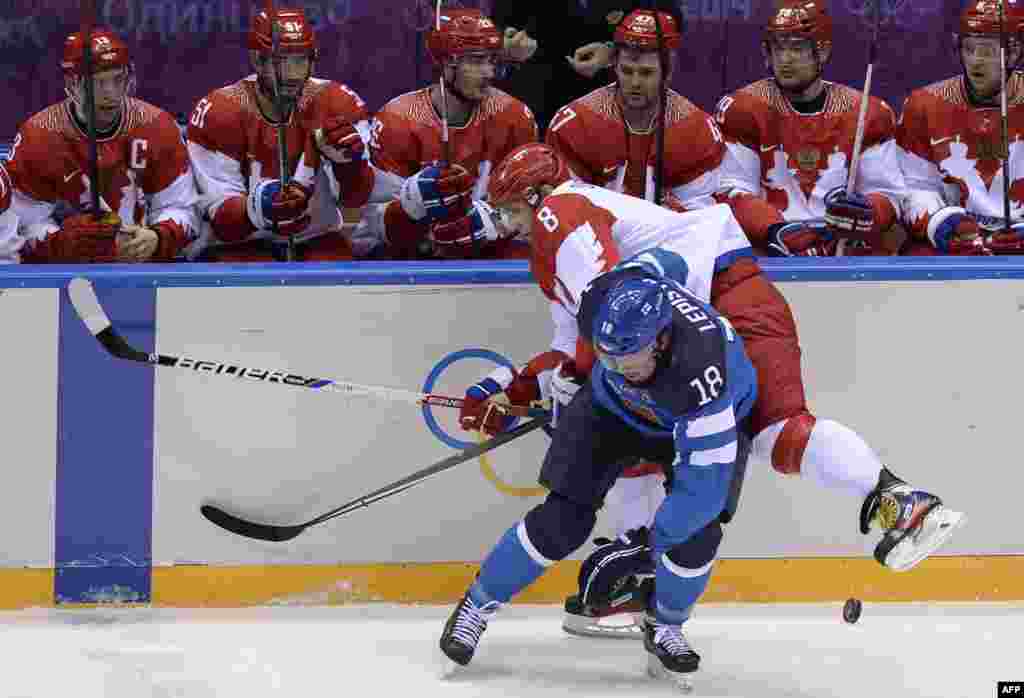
x=440 y=211
x=951 y=145
x=608 y=137
x=790 y=139
x=233 y=143
x=146 y=183
x=579 y=231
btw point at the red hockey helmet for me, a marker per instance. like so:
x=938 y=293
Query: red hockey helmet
x=108 y=52
x=982 y=17
x=295 y=35
x=523 y=172
x=638 y=31
x=463 y=31
x=801 y=18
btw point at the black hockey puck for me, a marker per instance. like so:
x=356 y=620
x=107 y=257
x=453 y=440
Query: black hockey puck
x=851 y=610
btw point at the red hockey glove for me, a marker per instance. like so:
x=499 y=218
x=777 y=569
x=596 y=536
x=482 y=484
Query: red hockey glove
x=339 y=141
x=269 y=203
x=1008 y=241
x=801 y=239
x=465 y=235
x=850 y=215
x=959 y=234
x=436 y=193
x=482 y=412
x=81 y=238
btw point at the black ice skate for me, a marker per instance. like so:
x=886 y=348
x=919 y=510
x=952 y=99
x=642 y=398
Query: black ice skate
x=669 y=655
x=462 y=633
x=620 y=617
x=914 y=523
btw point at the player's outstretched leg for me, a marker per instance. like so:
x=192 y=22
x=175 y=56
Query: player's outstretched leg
x=914 y=522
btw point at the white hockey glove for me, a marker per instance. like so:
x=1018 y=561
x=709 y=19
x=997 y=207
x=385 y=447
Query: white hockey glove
x=565 y=383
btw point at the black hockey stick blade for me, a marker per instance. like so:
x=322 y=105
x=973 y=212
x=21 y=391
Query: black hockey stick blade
x=275 y=533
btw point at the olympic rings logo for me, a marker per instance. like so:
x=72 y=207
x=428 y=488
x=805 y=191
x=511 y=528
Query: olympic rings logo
x=486 y=468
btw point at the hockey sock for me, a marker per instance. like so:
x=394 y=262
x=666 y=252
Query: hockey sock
x=682 y=575
x=511 y=566
x=838 y=458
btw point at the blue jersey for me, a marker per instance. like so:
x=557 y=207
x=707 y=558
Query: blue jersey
x=703 y=386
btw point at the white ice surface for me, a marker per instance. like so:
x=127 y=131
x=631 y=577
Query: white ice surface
x=759 y=651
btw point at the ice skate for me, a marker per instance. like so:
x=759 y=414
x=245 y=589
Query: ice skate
x=462 y=633
x=669 y=655
x=622 y=617
x=914 y=523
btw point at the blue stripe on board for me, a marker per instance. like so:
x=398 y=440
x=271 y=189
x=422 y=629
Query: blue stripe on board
x=501 y=272
x=104 y=506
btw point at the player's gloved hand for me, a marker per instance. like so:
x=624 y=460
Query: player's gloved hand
x=436 y=193
x=81 y=238
x=269 y=203
x=483 y=409
x=1007 y=241
x=460 y=238
x=959 y=234
x=565 y=383
x=801 y=239
x=850 y=215
x=339 y=141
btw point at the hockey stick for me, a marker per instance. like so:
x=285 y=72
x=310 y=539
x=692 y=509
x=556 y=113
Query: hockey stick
x=862 y=116
x=283 y=114
x=271 y=532
x=1003 y=117
x=88 y=308
x=659 y=136
x=446 y=148
x=88 y=20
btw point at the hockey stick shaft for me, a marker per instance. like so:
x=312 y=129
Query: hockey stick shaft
x=283 y=113
x=659 y=157
x=88 y=308
x=446 y=148
x=271 y=532
x=88 y=23
x=865 y=99
x=1004 y=116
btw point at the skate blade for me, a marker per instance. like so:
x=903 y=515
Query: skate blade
x=620 y=626
x=656 y=670
x=446 y=667
x=936 y=529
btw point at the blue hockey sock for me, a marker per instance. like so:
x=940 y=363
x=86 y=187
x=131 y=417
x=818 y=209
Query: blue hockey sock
x=510 y=567
x=677 y=589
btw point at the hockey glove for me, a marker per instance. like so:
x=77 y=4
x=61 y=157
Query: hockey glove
x=1008 y=241
x=436 y=193
x=958 y=234
x=462 y=237
x=81 y=238
x=339 y=141
x=801 y=239
x=481 y=411
x=565 y=383
x=850 y=215
x=268 y=203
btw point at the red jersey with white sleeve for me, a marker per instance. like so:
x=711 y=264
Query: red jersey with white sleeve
x=582 y=231
x=792 y=160
x=406 y=136
x=145 y=176
x=10 y=241
x=234 y=148
x=600 y=148
x=951 y=156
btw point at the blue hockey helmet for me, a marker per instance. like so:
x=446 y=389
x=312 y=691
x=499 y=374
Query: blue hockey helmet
x=630 y=319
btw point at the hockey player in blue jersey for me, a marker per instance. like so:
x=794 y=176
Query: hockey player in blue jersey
x=673 y=386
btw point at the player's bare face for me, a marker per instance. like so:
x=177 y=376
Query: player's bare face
x=635 y=368
x=980 y=55
x=517 y=217
x=795 y=63
x=639 y=78
x=292 y=72
x=109 y=90
x=474 y=74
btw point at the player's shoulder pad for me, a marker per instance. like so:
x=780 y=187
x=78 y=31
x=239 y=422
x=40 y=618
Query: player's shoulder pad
x=145 y=117
x=216 y=122
x=739 y=115
x=881 y=121
x=329 y=98
x=561 y=213
x=501 y=105
x=6 y=188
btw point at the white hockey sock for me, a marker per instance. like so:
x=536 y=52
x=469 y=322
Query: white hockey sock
x=838 y=458
x=633 y=501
